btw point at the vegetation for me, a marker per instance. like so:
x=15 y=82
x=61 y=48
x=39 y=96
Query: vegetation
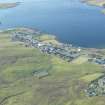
x=48 y=39
x=80 y=60
x=100 y=3
x=91 y=77
x=62 y=86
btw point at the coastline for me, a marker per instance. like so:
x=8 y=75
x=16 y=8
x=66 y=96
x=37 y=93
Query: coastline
x=50 y=39
x=44 y=37
x=95 y=3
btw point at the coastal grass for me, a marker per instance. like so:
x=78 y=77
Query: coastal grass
x=80 y=60
x=46 y=38
x=63 y=85
x=91 y=77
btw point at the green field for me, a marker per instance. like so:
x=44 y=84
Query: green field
x=80 y=60
x=64 y=85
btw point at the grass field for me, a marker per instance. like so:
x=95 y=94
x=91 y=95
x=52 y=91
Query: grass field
x=80 y=60
x=63 y=85
x=46 y=38
x=91 y=77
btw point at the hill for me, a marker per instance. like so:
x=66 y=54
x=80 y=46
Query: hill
x=30 y=77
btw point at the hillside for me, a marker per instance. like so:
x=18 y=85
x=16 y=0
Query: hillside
x=30 y=77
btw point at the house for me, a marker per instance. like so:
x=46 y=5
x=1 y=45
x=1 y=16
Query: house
x=41 y=74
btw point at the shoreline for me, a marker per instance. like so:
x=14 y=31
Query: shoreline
x=54 y=36
x=96 y=4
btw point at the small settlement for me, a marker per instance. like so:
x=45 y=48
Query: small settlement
x=97 y=59
x=63 y=50
x=96 y=87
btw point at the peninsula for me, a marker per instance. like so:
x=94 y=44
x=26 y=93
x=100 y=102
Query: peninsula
x=8 y=5
x=100 y=3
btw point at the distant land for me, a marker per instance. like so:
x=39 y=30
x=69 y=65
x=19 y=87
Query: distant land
x=100 y=3
x=8 y=5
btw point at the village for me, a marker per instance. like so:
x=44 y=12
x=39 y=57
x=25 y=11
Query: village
x=65 y=51
x=96 y=87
